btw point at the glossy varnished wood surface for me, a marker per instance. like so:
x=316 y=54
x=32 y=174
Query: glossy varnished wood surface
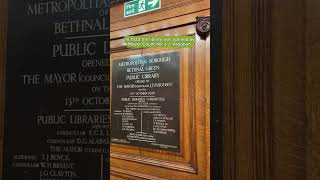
x=153 y=164
x=174 y=18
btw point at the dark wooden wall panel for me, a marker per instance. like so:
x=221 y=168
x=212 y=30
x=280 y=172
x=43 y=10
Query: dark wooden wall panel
x=237 y=138
x=288 y=56
x=313 y=111
x=264 y=83
x=247 y=90
x=228 y=38
x=313 y=87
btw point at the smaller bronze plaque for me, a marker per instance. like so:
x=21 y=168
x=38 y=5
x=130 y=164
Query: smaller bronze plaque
x=145 y=101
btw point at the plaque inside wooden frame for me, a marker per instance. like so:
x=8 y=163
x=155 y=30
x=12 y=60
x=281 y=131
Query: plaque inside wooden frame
x=181 y=154
x=145 y=101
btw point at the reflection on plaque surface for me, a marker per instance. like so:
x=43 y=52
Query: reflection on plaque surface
x=145 y=101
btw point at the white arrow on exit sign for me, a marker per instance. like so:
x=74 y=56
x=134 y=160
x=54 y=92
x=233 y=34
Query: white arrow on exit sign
x=136 y=7
x=153 y=2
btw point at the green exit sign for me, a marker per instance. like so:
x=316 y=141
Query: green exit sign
x=136 y=7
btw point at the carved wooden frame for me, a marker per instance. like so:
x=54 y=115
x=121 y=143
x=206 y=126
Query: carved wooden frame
x=183 y=23
x=190 y=167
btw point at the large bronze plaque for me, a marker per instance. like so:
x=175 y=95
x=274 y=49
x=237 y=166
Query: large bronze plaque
x=145 y=101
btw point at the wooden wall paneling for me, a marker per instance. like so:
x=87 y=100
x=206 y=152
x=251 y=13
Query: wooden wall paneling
x=179 y=24
x=228 y=80
x=118 y=173
x=313 y=88
x=248 y=152
x=200 y=128
x=201 y=106
x=237 y=137
x=181 y=162
x=313 y=111
x=170 y=9
x=208 y=105
x=262 y=90
x=3 y=30
x=288 y=84
x=243 y=95
x=159 y=25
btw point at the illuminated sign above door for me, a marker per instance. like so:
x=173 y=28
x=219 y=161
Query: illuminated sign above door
x=136 y=7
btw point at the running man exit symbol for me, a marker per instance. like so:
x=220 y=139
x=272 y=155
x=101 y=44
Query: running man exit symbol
x=142 y=5
x=136 y=7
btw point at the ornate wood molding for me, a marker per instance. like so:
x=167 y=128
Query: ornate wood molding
x=155 y=162
x=191 y=166
x=126 y=174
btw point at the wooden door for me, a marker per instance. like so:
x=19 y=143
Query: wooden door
x=191 y=158
x=264 y=90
